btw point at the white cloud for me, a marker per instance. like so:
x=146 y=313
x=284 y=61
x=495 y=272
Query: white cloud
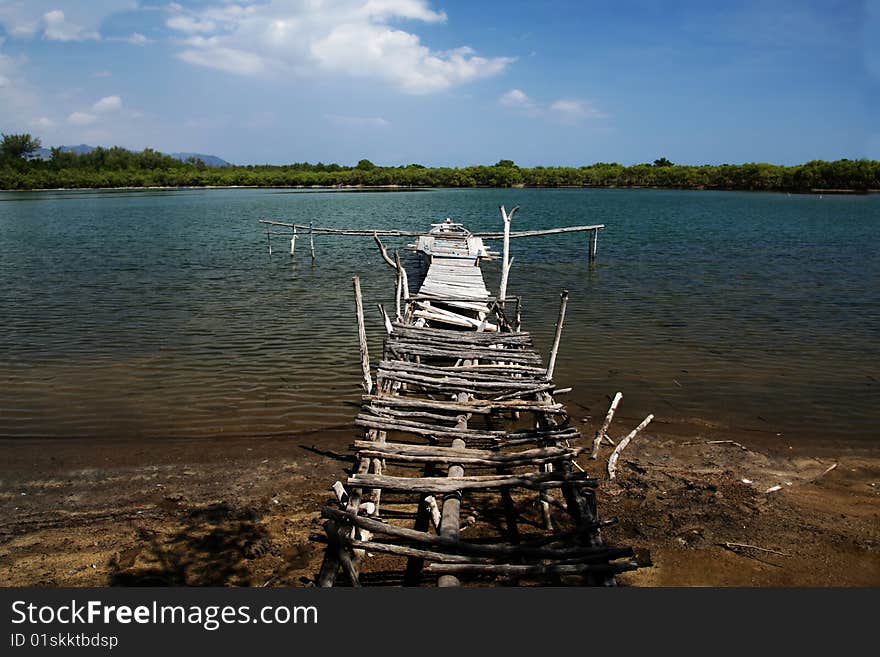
x=517 y=99
x=353 y=38
x=101 y=74
x=137 y=39
x=108 y=104
x=42 y=123
x=358 y=121
x=59 y=20
x=56 y=27
x=573 y=110
x=568 y=110
x=81 y=118
x=191 y=24
x=211 y=54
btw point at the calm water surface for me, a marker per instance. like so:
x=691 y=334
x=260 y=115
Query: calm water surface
x=154 y=314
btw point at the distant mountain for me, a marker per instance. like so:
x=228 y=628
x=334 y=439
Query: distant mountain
x=80 y=149
x=210 y=160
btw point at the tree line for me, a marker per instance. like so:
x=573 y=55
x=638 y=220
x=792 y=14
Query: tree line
x=119 y=167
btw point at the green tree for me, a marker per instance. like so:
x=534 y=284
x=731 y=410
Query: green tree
x=662 y=162
x=365 y=165
x=18 y=146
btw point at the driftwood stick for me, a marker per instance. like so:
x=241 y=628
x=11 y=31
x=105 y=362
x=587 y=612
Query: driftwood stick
x=339 y=490
x=826 y=471
x=603 y=430
x=451 y=510
x=403 y=277
x=612 y=461
x=537 y=233
x=312 y=239
x=431 y=503
x=362 y=336
x=449 y=485
x=525 y=570
x=389 y=327
x=732 y=546
x=538 y=550
x=505 y=263
x=563 y=303
x=293 y=243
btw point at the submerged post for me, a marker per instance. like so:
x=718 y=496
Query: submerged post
x=594 y=245
x=269 y=239
x=293 y=243
x=562 y=305
x=362 y=336
x=312 y=239
x=505 y=262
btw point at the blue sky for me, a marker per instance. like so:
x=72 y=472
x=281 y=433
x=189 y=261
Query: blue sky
x=447 y=82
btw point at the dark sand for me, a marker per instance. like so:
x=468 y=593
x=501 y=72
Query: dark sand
x=239 y=512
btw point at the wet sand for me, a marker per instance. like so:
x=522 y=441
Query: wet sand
x=239 y=511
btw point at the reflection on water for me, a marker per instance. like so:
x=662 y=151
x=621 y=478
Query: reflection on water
x=159 y=313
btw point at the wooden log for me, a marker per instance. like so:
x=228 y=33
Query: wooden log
x=507 y=217
x=603 y=430
x=612 y=461
x=538 y=481
x=293 y=243
x=405 y=551
x=541 y=232
x=477 y=457
x=470 y=406
x=563 y=303
x=524 y=570
x=537 y=549
x=362 y=336
x=594 y=246
x=434 y=510
x=453 y=336
x=312 y=239
x=451 y=509
x=403 y=277
x=321 y=230
x=389 y=327
x=463 y=352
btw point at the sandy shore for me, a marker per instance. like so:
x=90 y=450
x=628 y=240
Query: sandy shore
x=239 y=512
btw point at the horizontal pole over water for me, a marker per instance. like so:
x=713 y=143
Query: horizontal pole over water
x=409 y=233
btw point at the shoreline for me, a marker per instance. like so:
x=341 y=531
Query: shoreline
x=239 y=511
x=407 y=188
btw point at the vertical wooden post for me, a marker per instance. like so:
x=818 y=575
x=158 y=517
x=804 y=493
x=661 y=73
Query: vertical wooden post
x=312 y=239
x=600 y=434
x=451 y=513
x=362 y=336
x=517 y=322
x=563 y=302
x=594 y=245
x=269 y=239
x=293 y=243
x=505 y=262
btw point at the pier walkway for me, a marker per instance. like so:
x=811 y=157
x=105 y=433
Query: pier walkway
x=466 y=470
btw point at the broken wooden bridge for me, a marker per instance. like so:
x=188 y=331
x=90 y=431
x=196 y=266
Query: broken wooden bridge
x=466 y=471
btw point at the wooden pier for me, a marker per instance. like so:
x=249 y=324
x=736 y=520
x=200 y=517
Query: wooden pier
x=466 y=471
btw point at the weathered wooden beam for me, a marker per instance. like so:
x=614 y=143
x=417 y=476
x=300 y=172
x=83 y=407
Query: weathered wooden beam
x=603 y=430
x=612 y=460
x=563 y=304
x=538 y=481
x=362 y=336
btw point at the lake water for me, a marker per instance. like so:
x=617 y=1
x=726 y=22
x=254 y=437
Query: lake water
x=151 y=314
